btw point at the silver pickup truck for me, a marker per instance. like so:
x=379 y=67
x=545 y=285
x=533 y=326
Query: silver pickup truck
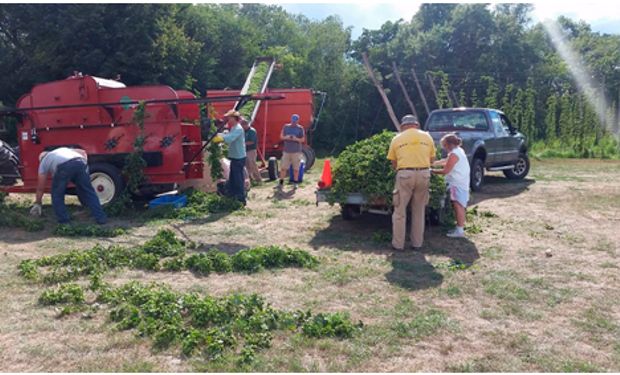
x=490 y=141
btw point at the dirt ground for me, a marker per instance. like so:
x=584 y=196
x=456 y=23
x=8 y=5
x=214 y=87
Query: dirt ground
x=534 y=287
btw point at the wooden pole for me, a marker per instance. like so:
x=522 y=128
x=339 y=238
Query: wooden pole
x=455 y=100
x=402 y=87
x=431 y=81
x=417 y=83
x=386 y=101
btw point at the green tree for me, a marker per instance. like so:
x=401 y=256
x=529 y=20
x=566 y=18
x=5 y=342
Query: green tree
x=492 y=92
x=443 y=94
x=566 y=116
x=475 y=102
x=529 y=113
x=551 y=118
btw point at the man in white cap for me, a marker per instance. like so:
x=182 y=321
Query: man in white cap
x=293 y=136
x=411 y=152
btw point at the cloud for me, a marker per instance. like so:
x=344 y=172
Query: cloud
x=364 y=15
x=588 y=11
x=602 y=15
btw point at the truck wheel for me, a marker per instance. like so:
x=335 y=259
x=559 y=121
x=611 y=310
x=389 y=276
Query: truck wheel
x=308 y=156
x=521 y=169
x=477 y=174
x=272 y=168
x=107 y=182
x=350 y=211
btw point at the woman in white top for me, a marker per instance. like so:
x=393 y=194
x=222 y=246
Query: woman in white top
x=456 y=170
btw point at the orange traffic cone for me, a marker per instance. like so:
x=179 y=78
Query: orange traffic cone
x=326 y=177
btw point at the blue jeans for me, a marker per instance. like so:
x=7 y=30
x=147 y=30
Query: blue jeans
x=75 y=171
x=236 y=180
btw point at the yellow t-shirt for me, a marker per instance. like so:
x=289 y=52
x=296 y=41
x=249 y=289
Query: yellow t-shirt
x=412 y=148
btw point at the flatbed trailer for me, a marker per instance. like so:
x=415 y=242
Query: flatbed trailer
x=357 y=204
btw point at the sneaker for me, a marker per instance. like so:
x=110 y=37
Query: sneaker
x=295 y=186
x=456 y=234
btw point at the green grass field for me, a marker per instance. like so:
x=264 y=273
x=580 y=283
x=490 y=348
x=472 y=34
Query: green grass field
x=534 y=288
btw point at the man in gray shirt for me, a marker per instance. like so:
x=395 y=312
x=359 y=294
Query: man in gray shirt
x=66 y=165
x=293 y=136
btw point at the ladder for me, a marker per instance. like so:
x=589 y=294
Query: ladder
x=255 y=83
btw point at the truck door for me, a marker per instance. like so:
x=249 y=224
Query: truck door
x=512 y=144
x=503 y=152
x=493 y=142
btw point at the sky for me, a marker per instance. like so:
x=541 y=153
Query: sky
x=603 y=16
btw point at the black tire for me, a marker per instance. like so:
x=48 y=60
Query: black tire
x=521 y=169
x=308 y=156
x=350 y=211
x=107 y=182
x=272 y=168
x=477 y=174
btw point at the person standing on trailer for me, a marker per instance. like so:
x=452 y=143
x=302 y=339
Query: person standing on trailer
x=251 y=141
x=294 y=136
x=66 y=165
x=411 y=152
x=235 y=139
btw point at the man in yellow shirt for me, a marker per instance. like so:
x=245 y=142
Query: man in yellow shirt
x=412 y=151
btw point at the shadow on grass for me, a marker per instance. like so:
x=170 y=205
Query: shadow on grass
x=280 y=194
x=500 y=187
x=410 y=269
x=80 y=216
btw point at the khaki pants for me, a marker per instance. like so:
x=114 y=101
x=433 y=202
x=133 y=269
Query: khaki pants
x=250 y=164
x=410 y=190
x=290 y=158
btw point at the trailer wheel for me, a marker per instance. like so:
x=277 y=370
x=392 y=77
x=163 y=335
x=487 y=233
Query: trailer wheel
x=107 y=182
x=273 y=168
x=308 y=156
x=350 y=211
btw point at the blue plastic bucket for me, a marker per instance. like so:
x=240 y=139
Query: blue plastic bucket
x=301 y=173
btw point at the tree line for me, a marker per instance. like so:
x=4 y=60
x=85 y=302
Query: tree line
x=463 y=54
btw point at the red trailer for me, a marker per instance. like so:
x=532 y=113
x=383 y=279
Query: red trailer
x=272 y=115
x=96 y=115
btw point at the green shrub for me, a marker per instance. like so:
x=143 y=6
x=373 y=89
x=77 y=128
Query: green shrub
x=164 y=244
x=174 y=264
x=67 y=293
x=330 y=325
x=87 y=230
x=363 y=168
x=199 y=263
x=220 y=261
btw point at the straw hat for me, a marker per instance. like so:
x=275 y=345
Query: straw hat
x=232 y=113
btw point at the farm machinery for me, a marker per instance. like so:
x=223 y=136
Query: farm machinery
x=96 y=115
x=268 y=117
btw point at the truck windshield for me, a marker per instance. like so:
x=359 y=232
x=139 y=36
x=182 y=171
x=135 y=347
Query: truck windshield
x=457 y=120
